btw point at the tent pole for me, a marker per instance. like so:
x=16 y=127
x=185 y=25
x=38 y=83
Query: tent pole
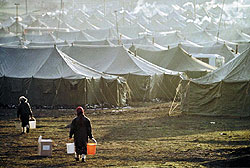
x=17 y=4
x=177 y=91
x=86 y=90
x=26 y=6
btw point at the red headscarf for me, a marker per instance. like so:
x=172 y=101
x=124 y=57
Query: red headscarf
x=79 y=110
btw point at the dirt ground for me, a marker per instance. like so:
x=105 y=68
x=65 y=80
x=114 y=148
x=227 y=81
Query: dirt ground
x=131 y=137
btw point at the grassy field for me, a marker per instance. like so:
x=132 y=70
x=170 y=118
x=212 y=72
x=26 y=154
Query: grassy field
x=136 y=137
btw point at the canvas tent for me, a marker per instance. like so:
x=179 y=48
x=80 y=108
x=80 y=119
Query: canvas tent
x=146 y=81
x=49 y=77
x=225 y=92
x=5 y=33
x=172 y=39
x=175 y=59
x=37 y=23
x=28 y=19
x=217 y=48
x=81 y=24
x=72 y=36
x=36 y=38
x=102 y=34
x=17 y=27
x=94 y=42
x=200 y=37
x=9 y=39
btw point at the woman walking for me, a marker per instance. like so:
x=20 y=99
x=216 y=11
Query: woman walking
x=81 y=129
x=25 y=113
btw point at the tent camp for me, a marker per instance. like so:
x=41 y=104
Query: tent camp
x=49 y=77
x=225 y=92
x=175 y=59
x=146 y=81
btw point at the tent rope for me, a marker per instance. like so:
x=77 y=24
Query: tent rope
x=176 y=93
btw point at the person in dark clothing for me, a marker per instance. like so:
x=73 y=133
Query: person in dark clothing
x=81 y=129
x=25 y=113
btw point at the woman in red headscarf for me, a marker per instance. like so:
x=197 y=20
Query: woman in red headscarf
x=81 y=129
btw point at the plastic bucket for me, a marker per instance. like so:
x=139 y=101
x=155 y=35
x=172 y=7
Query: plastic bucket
x=91 y=148
x=70 y=148
x=32 y=124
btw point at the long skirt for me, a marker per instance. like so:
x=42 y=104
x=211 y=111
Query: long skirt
x=25 y=121
x=81 y=148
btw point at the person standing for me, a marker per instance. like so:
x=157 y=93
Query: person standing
x=81 y=129
x=24 y=113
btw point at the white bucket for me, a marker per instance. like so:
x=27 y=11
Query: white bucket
x=32 y=124
x=70 y=148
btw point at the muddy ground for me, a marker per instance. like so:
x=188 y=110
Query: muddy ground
x=131 y=137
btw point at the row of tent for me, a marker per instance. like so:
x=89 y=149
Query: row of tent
x=112 y=75
x=90 y=75
x=195 y=24
x=88 y=58
x=189 y=34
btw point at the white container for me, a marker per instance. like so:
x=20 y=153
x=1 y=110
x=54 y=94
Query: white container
x=32 y=124
x=70 y=148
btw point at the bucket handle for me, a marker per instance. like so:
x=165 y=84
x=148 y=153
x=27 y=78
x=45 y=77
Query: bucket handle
x=93 y=139
x=33 y=119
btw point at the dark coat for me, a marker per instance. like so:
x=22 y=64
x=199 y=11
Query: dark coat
x=81 y=129
x=24 y=111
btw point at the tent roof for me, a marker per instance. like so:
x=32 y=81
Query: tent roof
x=9 y=39
x=46 y=63
x=102 y=34
x=191 y=27
x=28 y=19
x=95 y=42
x=37 y=23
x=81 y=24
x=175 y=59
x=73 y=36
x=4 y=33
x=40 y=38
x=200 y=37
x=114 y=60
